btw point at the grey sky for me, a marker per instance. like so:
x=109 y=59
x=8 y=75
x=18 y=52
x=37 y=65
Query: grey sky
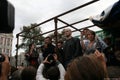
x=36 y=11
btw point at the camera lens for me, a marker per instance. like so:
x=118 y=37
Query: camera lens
x=50 y=58
x=99 y=49
x=2 y=58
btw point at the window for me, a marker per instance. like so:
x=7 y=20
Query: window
x=5 y=42
x=7 y=51
x=1 y=40
x=11 y=42
x=8 y=42
x=0 y=50
x=4 y=50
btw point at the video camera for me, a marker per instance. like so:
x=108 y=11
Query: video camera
x=50 y=58
x=99 y=49
x=2 y=58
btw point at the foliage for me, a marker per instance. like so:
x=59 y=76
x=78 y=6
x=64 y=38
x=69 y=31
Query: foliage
x=59 y=36
x=30 y=35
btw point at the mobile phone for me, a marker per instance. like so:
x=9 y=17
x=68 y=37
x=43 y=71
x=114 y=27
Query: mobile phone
x=99 y=49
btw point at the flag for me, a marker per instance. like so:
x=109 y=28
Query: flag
x=110 y=15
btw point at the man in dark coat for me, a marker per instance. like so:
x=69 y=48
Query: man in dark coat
x=72 y=47
x=48 y=47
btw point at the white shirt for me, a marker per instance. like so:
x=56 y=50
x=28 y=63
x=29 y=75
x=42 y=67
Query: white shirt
x=39 y=75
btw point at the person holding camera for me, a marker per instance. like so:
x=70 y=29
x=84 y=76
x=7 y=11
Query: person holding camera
x=4 y=67
x=50 y=69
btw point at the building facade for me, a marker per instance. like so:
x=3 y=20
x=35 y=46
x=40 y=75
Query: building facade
x=6 y=43
x=21 y=60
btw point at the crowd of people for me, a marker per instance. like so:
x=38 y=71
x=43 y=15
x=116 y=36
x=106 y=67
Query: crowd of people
x=84 y=58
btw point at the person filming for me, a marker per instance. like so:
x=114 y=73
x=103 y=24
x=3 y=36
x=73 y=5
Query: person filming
x=4 y=67
x=50 y=69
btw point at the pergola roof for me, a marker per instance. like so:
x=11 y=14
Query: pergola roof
x=59 y=22
x=62 y=22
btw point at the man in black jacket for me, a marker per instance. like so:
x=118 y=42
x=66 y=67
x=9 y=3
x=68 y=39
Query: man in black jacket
x=48 y=47
x=71 y=47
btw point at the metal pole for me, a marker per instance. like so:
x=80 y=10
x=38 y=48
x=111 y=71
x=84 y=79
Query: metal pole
x=16 y=57
x=68 y=24
x=61 y=27
x=83 y=28
x=81 y=6
x=56 y=33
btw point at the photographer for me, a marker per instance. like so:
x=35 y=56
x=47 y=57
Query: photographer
x=4 y=67
x=50 y=69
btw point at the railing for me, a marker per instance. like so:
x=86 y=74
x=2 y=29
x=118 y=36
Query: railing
x=56 y=19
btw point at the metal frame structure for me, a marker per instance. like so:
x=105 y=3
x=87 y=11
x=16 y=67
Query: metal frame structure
x=56 y=19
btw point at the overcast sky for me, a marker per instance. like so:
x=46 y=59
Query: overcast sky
x=37 y=11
